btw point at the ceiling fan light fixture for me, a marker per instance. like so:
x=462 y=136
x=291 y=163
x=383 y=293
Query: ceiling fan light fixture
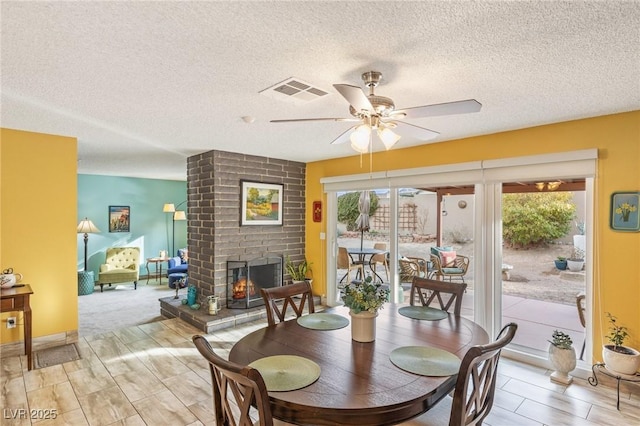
x=360 y=138
x=388 y=137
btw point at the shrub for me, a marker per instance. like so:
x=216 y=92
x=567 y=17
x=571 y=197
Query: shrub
x=532 y=219
x=348 y=208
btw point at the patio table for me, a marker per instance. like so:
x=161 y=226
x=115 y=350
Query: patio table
x=363 y=254
x=358 y=383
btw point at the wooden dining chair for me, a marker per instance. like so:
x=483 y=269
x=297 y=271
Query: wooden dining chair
x=295 y=295
x=425 y=291
x=344 y=261
x=475 y=386
x=236 y=389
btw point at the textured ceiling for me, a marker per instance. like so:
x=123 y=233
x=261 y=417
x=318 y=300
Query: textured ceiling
x=144 y=85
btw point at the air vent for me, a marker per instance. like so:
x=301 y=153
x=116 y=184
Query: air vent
x=294 y=90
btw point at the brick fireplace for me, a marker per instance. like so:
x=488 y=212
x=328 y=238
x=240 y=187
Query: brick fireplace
x=214 y=234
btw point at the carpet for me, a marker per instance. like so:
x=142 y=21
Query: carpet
x=56 y=355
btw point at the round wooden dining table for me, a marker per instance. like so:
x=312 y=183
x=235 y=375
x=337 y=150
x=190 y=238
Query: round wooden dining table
x=358 y=383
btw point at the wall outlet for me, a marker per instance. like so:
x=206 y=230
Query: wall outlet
x=11 y=322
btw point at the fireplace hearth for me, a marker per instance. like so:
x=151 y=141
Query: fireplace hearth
x=246 y=278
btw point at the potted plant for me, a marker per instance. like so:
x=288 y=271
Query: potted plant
x=364 y=298
x=618 y=358
x=576 y=263
x=562 y=356
x=561 y=263
x=297 y=271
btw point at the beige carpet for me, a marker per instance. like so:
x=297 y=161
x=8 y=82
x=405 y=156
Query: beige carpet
x=121 y=306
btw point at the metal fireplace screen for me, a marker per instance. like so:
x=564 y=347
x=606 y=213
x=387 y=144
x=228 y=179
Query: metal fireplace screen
x=246 y=278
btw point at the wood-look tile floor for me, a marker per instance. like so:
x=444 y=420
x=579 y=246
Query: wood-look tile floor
x=152 y=375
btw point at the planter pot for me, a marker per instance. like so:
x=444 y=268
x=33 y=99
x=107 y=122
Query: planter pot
x=575 y=265
x=363 y=326
x=564 y=362
x=621 y=363
x=561 y=264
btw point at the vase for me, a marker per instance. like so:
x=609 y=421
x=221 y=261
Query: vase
x=363 y=326
x=625 y=360
x=563 y=361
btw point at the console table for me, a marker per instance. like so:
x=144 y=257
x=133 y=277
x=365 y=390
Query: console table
x=600 y=367
x=17 y=299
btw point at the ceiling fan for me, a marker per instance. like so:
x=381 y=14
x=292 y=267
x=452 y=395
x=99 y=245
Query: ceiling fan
x=374 y=112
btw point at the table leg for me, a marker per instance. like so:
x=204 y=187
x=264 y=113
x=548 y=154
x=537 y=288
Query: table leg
x=27 y=335
x=160 y=273
x=148 y=273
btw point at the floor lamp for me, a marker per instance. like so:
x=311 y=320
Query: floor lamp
x=87 y=227
x=177 y=215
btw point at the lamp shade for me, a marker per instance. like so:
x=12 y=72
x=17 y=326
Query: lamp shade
x=180 y=215
x=360 y=138
x=388 y=137
x=169 y=208
x=87 y=227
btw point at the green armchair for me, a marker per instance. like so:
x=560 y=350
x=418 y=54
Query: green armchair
x=122 y=265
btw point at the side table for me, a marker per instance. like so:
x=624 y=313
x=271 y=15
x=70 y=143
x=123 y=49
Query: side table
x=16 y=298
x=600 y=367
x=157 y=261
x=86 y=282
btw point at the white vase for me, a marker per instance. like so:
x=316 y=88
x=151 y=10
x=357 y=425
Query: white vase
x=363 y=326
x=621 y=363
x=564 y=362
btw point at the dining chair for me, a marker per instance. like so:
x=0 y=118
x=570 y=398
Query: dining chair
x=425 y=291
x=344 y=262
x=236 y=389
x=581 y=305
x=295 y=295
x=381 y=259
x=475 y=386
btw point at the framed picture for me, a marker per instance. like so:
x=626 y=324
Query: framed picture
x=261 y=203
x=119 y=218
x=624 y=211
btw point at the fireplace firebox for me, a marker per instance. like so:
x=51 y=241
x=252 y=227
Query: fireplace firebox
x=246 y=278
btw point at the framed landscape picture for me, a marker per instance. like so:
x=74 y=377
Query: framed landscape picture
x=624 y=211
x=261 y=203
x=119 y=218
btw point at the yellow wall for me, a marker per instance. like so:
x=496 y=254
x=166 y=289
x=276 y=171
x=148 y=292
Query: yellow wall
x=38 y=213
x=617 y=254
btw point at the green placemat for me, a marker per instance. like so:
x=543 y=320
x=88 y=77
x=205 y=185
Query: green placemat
x=322 y=321
x=422 y=313
x=425 y=361
x=283 y=373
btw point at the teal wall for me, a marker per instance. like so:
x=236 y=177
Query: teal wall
x=151 y=228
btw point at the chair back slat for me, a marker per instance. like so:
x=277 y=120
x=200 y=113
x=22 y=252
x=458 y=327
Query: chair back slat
x=295 y=296
x=476 y=383
x=236 y=390
x=425 y=291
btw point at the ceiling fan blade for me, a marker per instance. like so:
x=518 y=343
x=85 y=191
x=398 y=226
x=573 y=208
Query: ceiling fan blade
x=355 y=96
x=406 y=129
x=448 y=108
x=293 y=120
x=344 y=136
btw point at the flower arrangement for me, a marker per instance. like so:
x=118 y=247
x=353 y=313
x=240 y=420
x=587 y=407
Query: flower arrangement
x=364 y=296
x=561 y=340
x=625 y=209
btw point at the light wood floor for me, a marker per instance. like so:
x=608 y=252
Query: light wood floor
x=151 y=374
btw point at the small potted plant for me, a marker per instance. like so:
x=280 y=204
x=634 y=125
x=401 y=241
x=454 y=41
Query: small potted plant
x=561 y=263
x=364 y=299
x=617 y=357
x=576 y=263
x=563 y=357
x=297 y=271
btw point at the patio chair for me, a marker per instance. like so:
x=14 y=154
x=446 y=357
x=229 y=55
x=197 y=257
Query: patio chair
x=381 y=259
x=581 y=305
x=295 y=295
x=411 y=267
x=425 y=291
x=344 y=262
x=237 y=389
x=448 y=264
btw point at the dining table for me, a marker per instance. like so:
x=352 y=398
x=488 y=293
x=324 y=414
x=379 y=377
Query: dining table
x=358 y=384
x=364 y=256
